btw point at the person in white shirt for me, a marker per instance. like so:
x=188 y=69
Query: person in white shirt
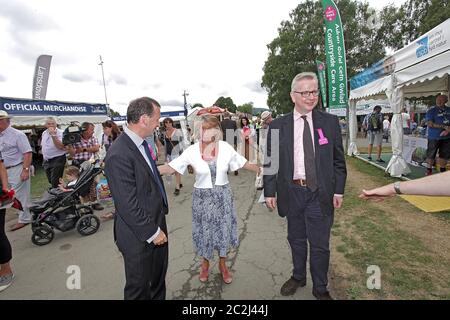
x=405 y=121
x=53 y=152
x=17 y=157
x=214 y=223
x=386 y=128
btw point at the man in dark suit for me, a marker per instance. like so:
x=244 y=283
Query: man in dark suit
x=306 y=176
x=140 y=230
x=229 y=128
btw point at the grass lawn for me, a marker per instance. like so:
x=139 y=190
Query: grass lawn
x=39 y=183
x=411 y=248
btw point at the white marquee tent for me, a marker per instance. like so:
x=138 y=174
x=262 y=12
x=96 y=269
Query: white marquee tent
x=420 y=69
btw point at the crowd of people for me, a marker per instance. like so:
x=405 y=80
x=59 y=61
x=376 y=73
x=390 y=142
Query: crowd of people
x=298 y=158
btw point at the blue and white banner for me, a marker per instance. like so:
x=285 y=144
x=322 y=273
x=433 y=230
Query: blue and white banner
x=23 y=107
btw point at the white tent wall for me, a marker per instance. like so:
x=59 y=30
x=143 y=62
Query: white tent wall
x=353 y=129
x=397 y=166
x=425 y=77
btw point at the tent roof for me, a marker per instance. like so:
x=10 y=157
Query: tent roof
x=422 y=67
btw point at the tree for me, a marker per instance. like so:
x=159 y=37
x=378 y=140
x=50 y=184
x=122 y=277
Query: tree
x=197 y=105
x=113 y=113
x=228 y=103
x=402 y=25
x=301 y=40
x=246 y=108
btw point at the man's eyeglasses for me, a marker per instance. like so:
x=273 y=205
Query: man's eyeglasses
x=306 y=94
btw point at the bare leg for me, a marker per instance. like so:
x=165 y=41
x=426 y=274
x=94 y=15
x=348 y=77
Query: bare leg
x=5 y=269
x=370 y=150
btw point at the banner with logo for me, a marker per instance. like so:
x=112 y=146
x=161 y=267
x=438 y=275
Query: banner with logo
x=432 y=43
x=25 y=107
x=40 y=79
x=336 y=61
x=322 y=82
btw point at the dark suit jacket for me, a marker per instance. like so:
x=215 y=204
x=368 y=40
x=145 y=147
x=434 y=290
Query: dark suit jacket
x=228 y=124
x=140 y=208
x=330 y=161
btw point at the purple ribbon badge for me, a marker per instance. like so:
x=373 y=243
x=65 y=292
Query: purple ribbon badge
x=322 y=139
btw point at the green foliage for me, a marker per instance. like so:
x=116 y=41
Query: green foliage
x=197 y=105
x=246 y=108
x=402 y=25
x=113 y=113
x=226 y=103
x=301 y=40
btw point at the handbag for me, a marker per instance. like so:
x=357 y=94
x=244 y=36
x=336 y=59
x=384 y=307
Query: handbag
x=259 y=182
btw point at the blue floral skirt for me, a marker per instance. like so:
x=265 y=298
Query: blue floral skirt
x=214 y=225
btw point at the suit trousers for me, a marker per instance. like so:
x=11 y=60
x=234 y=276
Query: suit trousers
x=308 y=224
x=145 y=271
x=54 y=169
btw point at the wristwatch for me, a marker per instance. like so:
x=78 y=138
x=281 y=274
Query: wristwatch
x=26 y=168
x=84 y=149
x=397 y=187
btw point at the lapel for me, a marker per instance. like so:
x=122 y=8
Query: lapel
x=289 y=123
x=138 y=155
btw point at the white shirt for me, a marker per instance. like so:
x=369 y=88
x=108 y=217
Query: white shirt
x=299 y=154
x=227 y=160
x=138 y=142
x=386 y=124
x=13 y=145
x=405 y=118
x=49 y=149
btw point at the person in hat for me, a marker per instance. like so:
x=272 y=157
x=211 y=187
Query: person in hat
x=17 y=156
x=266 y=118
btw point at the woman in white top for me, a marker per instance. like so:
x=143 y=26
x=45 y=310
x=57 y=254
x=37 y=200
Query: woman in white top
x=214 y=223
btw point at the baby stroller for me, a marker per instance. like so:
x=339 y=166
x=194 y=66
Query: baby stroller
x=63 y=210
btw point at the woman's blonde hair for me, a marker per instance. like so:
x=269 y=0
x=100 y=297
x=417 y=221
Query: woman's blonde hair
x=211 y=122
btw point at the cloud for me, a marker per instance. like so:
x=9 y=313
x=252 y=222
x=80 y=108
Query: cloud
x=255 y=86
x=77 y=77
x=23 y=25
x=223 y=94
x=118 y=79
x=2 y=78
x=171 y=103
x=204 y=86
x=153 y=86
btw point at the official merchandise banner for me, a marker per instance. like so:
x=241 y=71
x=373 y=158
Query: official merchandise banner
x=336 y=61
x=22 y=107
x=432 y=43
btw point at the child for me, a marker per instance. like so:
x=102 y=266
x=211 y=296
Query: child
x=72 y=174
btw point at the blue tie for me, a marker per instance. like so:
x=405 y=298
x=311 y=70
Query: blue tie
x=155 y=171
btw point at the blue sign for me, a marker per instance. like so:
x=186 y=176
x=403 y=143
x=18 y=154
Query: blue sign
x=24 y=107
x=119 y=118
x=423 y=47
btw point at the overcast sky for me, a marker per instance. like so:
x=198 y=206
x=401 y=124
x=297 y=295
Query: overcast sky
x=150 y=48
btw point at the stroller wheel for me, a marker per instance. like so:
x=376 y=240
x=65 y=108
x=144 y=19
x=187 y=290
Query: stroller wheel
x=42 y=235
x=88 y=224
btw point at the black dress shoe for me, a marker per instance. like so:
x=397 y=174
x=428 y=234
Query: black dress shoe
x=290 y=286
x=97 y=206
x=322 y=296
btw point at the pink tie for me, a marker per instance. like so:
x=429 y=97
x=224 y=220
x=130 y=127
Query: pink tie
x=151 y=151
